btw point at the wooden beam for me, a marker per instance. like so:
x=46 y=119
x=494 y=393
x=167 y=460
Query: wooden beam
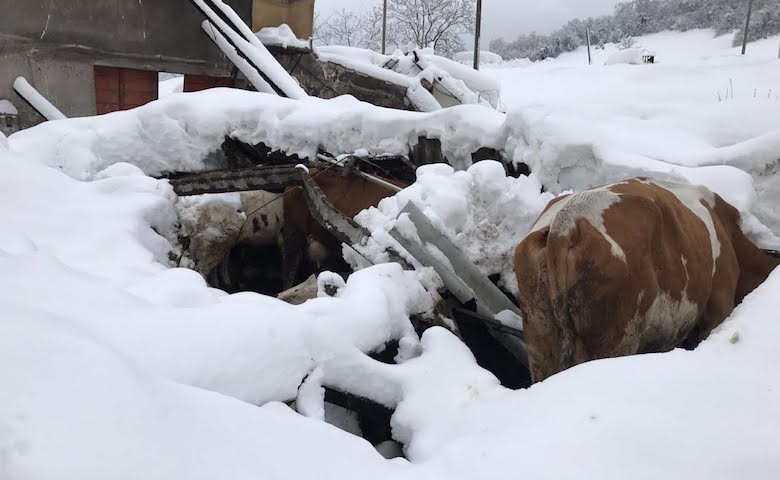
x=345 y=229
x=463 y=279
x=223 y=181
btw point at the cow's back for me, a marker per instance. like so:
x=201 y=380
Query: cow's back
x=628 y=268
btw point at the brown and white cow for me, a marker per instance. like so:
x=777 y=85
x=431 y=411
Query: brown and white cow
x=634 y=267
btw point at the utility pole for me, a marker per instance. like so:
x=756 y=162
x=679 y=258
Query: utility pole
x=747 y=26
x=587 y=34
x=477 y=33
x=384 y=27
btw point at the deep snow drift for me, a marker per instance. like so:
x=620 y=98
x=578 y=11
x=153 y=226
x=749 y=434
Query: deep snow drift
x=113 y=365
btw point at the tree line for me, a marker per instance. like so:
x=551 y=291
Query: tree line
x=424 y=23
x=641 y=17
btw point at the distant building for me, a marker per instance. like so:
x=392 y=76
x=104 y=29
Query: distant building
x=97 y=56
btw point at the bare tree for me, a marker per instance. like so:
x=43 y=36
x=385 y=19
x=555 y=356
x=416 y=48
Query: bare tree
x=433 y=23
x=424 y=23
x=340 y=28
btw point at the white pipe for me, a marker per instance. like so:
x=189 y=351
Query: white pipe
x=229 y=50
x=254 y=50
x=38 y=101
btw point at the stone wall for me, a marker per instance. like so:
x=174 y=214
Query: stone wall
x=328 y=80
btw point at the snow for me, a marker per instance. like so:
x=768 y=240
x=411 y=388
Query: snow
x=181 y=132
x=114 y=365
x=7 y=108
x=355 y=59
x=463 y=83
x=282 y=36
x=170 y=85
x=629 y=56
x=703 y=114
x=485 y=57
x=481 y=210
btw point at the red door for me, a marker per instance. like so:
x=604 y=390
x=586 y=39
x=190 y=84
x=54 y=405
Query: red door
x=196 y=83
x=123 y=88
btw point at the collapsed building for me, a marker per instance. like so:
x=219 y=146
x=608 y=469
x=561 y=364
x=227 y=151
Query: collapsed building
x=265 y=236
x=92 y=58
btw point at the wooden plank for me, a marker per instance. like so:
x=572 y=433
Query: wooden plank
x=489 y=298
x=345 y=229
x=452 y=282
x=464 y=280
x=223 y=181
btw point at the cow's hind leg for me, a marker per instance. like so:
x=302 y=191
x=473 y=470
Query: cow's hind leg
x=721 y=302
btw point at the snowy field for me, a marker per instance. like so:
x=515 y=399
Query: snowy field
x=114 y=365
x=701 y=105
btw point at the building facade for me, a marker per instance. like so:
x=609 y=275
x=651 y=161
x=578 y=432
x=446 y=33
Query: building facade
x=96 y=56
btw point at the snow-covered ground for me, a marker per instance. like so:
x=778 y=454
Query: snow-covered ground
x=113 y=365
x=169 y=83
x=702 y=105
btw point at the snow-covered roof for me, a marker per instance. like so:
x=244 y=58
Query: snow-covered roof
x=281 y=36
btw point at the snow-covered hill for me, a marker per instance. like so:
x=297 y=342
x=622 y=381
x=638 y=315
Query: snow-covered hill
x=703 y=104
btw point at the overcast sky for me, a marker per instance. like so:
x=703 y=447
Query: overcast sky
x=507 y=18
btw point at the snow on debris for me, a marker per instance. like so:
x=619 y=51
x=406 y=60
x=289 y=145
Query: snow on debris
x=485 y=57
x=481 y=210
x=409 y=69
x=630 y=56
x=281 y=36
x=182 y=132
x=7 y=108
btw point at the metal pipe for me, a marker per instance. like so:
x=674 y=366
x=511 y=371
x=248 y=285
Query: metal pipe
x=384 y=27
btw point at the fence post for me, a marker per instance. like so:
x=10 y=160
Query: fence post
x=477 y=33
x=747 y=26
x=587 y=34
x=384 y=27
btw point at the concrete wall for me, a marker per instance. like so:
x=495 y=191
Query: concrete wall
x=55 y=45
x=298 y=14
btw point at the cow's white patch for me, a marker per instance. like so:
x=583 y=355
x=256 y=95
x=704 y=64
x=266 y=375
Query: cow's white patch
x=692 y=197
x=590 y=206
x=667 y=317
